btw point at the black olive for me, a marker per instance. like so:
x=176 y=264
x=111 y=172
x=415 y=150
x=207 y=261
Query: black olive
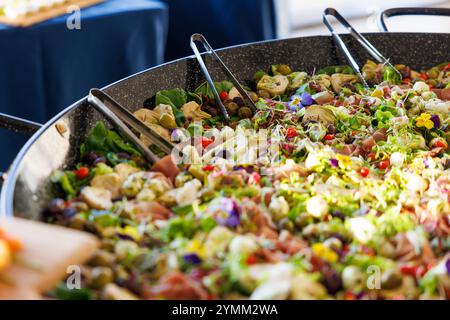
x=69 y=213
x=90 y=157
x=375 y=122
x=332 y=281
x=55 y=209
x=149 y=103
x=331 y=129
x=338 y=214
x=239 y=101
x=447 y=164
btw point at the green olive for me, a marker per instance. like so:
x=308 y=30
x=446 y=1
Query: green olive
x=390 y=280
x=264 y=94
x=284 y=69
x=77 y=222
x=232 y=108
x=100 y=277
x=102 y=258
x=286 y=224
x=433 y=73
x=253 y=96
x=108 y=244
x=245 y=113
x=303 y=219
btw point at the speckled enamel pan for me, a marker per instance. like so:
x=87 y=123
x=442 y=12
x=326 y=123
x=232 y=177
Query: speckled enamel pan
x=28 y=189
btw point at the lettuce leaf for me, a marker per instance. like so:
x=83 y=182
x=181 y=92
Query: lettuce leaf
x=102 y=141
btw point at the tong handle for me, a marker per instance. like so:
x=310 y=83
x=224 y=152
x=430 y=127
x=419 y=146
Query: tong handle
x=19 y=125
x=359 y=37
x=99 y=99
x=209 y=50
x=409 y=11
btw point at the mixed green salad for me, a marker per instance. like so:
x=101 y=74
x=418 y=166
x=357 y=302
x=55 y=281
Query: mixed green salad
x=356 y=206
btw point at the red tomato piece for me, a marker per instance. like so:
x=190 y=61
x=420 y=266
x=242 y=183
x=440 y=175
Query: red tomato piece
x=82 y=173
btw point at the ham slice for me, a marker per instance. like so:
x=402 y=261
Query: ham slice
x=176 y=286
x=380 y=135
x=368 y=143
x=153 y=209
x=167 y=167
x=347 y=149
x=443 y=94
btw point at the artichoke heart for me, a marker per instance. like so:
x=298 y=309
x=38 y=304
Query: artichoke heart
x=320 y=114
x=275 y=85
x=191 y=110
x=166 y=118
x=339 y=79
x=146 y=116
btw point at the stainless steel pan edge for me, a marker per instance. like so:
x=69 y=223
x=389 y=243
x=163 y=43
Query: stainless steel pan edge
x=303 y=53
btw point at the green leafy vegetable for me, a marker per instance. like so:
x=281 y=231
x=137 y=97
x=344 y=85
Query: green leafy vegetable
x=175 y=98
x=101 y=140
x=205 y=90
x=336 y=69
x=392 y=75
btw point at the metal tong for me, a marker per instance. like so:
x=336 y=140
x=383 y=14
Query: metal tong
x=121 y=117
x=359 y=37
x=209 y=50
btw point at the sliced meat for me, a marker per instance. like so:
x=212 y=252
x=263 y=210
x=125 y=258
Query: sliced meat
x=380 y=135
x=347 y=149
x=153 y=209
x=443 y=94
x=168 y=167
x=368 y=143
x=175 y=286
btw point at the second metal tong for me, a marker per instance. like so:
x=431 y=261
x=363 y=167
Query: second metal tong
x=209 y=50
x=359 y=37
x=120 y=117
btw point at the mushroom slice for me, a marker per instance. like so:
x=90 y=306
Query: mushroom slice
x=97 y=198
x=339 y=79
x=275 y=85
x=320 y=114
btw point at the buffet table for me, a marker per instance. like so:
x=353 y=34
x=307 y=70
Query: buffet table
x=46 y=67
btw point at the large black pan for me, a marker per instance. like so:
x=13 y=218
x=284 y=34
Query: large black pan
x=28 y=188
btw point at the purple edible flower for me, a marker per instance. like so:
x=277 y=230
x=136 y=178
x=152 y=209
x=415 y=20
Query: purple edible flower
x=295 y=103
x=307 y=99
x=436 y=120
x=225 y=211
x=334 y=163
x=192 y=258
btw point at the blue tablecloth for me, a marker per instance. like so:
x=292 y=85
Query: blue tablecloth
x=46 y=67
x=223 y=22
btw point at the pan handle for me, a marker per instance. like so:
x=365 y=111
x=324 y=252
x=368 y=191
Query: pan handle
x=409 y=11
x=19 y=125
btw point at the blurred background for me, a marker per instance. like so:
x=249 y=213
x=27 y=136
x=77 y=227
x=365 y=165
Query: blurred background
x=49 y=65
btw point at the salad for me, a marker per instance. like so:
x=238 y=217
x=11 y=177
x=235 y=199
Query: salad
x=346 y=195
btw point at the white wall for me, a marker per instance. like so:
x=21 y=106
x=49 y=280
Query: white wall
x=304 y=17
